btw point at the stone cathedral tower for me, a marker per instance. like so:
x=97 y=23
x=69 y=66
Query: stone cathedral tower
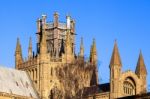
x=57 y=72
x=55 y=69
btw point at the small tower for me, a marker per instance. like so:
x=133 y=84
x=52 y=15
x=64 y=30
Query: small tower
x=30 y=49
x=115 y=71
x=93 y=61
x=141 y=72
x=18 y=55
x=81 y=49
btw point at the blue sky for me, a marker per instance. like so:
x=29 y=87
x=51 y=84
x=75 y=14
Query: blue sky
x=128 y=21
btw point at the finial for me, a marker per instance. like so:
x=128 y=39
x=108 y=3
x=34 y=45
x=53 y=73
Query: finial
x=56 y=13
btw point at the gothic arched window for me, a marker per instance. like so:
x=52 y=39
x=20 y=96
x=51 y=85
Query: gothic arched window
x=129 y=86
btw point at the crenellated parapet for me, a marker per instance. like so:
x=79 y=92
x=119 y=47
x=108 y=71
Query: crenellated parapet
x=56 y=31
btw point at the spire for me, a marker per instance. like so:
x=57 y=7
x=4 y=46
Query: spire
x=30 y=49
x=93 y=60
x=140 y=68
x=81 y=48
x=93 y=53
x=94 y=47
x=18 y=54
x=115 y=58
x=18 y=47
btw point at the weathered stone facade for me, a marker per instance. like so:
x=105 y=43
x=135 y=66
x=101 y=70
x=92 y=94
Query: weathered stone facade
x=122 y=84
x=58 y=73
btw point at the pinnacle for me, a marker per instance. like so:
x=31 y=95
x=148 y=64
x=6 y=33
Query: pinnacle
x=94 y=45
x=30 y=43
x=81 y=48
x=18 y=46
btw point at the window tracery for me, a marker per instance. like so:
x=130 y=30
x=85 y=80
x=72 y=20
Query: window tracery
x=129 y=86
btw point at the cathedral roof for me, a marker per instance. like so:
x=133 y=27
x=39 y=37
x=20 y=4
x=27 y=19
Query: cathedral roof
x=101 y=88
x=16 y=82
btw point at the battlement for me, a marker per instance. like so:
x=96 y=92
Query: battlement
x=56 y=32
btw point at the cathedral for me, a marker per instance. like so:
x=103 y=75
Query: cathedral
x=55 y=71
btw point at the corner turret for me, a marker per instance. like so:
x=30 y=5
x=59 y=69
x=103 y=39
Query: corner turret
x=141 y=72
x=115 y=72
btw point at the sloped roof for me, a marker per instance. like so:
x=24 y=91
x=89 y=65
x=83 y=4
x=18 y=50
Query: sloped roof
x=16 y=82
x=101 y=88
